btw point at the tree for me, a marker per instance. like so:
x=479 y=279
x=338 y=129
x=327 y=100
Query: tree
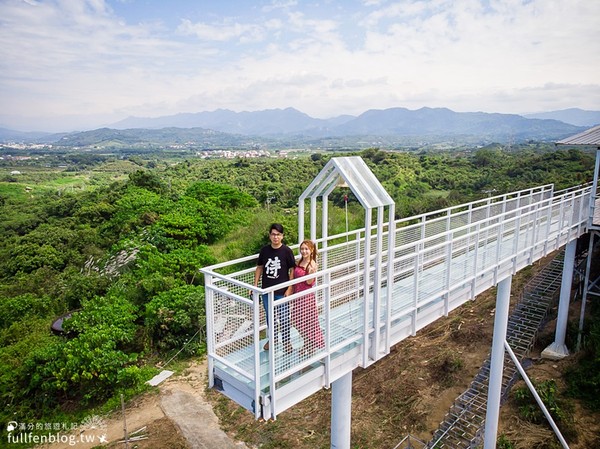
x=147 y=180
x=175 y=316
x=221 y=195
x=97 y=362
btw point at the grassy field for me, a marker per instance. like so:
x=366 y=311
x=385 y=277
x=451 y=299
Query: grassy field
x=19 y=182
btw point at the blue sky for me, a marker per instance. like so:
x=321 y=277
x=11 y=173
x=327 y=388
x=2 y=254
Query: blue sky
x=81 y=64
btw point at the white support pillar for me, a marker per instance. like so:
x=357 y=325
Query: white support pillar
x=586 y=284
x=497 y=364
x=341 y=412
x=558 y=350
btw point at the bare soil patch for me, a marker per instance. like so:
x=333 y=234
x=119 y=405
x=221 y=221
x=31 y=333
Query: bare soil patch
x=159 y=434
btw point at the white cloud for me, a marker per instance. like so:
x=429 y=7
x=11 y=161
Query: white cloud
x=85 y=58
x=223 y=32
x=275 y=5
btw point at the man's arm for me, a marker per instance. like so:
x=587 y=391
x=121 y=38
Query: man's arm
x=257 y=275
x=291 y=265
x=290 y=289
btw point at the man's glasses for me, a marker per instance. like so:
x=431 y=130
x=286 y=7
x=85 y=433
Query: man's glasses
x=276 y=234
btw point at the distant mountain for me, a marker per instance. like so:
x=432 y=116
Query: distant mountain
x=10 y=135
x=444 y=122
x=289 y=127
x=573 y=116
x=261 y=123
x=384 y=122
x=111 y=138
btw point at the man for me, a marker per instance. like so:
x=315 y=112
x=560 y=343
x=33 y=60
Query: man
x=275 y=265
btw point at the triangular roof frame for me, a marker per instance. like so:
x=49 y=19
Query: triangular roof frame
x=355 y=173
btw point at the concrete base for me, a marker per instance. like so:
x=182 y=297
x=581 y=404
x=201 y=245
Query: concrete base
x=555 y=352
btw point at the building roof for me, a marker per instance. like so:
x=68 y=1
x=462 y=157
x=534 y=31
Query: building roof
x=587 y=137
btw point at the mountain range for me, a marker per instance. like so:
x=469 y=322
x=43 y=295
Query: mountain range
x=573 y=116
x=222 y=127
x=384 y=122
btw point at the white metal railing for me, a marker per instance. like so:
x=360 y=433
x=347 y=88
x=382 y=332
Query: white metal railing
x=440 y=260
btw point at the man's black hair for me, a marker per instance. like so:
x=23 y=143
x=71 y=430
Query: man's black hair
x=277 y=226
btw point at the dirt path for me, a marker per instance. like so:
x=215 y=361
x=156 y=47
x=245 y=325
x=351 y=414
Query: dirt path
x=178 y=416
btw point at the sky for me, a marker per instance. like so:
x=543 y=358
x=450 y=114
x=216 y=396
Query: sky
x=69 y=65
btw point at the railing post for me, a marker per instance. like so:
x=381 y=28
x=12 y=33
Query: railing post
x=327 y=311
x=391 y=251
x=256 y=338
x=517 y=235
x=301 y=220
x=475 y=257
x=448 y=271
x=271 y=331
x=366 y=286
x=210 y=320
x=550 y=209
x=377 y=281
x=313 y=218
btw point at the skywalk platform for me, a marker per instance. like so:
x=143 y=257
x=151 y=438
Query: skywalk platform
x=377 y=286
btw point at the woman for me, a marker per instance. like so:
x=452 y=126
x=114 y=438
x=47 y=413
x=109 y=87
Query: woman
x=305 y=316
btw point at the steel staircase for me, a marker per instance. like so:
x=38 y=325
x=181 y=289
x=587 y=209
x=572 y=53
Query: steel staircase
x=463 y=425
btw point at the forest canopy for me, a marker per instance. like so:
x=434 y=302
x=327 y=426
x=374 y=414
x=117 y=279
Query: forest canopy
x=122 y=253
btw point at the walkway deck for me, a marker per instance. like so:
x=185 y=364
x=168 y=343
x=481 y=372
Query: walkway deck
x=438 y=262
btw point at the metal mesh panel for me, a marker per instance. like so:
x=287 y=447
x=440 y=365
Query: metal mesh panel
x=340 y=253
x=432 y=283
x=435 y=241
x=480 y=214
x=306 y=319
x=458 y=221
x=435 y=227
x=233 y=329
x=460 y=264
x=281 y=321
x=407 y=235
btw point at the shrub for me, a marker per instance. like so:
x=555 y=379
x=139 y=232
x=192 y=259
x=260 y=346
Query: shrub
x=175 y=316
x=560 y=409
x=97 y=362
x=583 y=379
x=221 y=195
x=504 y=443
x=23 y=307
